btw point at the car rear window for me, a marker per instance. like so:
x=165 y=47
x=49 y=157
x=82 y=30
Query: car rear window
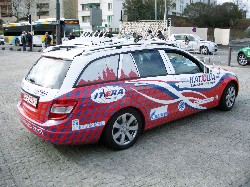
x=48 y=72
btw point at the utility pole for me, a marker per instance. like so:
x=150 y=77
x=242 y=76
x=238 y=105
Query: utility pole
x=58 y=36
x=165 y=13
x=155 y=9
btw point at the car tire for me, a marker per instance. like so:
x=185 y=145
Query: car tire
x=242 y=59
x=123 y=129
x=17 y=42
x=228 y=97
x=204 y=50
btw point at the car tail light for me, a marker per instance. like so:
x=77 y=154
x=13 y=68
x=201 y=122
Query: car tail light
x=60 y=109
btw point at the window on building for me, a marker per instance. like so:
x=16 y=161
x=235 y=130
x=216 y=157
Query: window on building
x=174 y=6
x=85 y=18
x=85 y=7
x=42 y=13
x=42 y=5
x=110 y=18
x=110 y=6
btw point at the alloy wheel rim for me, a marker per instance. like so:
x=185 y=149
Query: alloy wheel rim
x=125 y=129
x=204 y=50
x=230 y=97
x=242 y=60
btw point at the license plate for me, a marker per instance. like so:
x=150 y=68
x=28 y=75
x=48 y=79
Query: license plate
x=30 y=99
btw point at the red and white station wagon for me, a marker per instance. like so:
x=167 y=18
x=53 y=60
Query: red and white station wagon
x=114 y=93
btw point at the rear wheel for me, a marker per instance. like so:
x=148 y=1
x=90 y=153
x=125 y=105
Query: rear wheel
x=242 y=59
x=228 y=97
x=123 y=129
x=204 y=50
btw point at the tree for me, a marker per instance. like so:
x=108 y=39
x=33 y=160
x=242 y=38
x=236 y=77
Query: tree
x=210 y=15
x=28 y=4
x=198 y=13
x=23 y=8
x=144 y=9
x=17 y=9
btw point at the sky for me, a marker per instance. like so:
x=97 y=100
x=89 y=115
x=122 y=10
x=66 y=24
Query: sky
x=246 y=2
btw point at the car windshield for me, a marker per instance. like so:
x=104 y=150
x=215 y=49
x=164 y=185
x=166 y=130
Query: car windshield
x=198 y=38
x=48 y=72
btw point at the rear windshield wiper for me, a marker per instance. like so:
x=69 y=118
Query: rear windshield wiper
x=31 y=80
x=34 y=82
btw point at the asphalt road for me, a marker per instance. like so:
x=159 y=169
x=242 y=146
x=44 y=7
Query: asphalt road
x=211 y=148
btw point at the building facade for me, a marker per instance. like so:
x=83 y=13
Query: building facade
x=180 y=5
x=111 y=11
x=6 y=10
x=14 y=10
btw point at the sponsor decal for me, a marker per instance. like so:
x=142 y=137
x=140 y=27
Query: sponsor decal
x=32 y=127
x=76 y=125
x=40 y=92
x=204 y=79
x=160 y=112
x=203 y=101
x=108 y=94
x=181 y=106
x=179 y=96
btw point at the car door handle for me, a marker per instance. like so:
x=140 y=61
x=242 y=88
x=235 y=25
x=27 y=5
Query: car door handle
x=141 y=84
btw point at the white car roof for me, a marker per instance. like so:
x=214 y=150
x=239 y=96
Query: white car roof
x=65 y=54
x=98 y=51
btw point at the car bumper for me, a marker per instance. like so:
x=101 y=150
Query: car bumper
x=56 y=135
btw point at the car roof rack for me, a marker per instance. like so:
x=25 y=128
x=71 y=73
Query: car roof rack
x=108 y=45
x=117 y=45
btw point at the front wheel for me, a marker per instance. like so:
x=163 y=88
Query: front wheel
x=123 y=129
x=242 y=59
x=228 y=97
x=204 y=50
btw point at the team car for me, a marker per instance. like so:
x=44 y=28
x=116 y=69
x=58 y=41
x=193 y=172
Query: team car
x=114 y=93
x=193 y=43
x=243 y=57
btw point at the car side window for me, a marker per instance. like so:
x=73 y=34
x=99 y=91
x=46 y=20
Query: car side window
x=128 y=67
x=191 y=38
x=183 y=65
x=101 y=70
x=178 y=37
x=149 y=63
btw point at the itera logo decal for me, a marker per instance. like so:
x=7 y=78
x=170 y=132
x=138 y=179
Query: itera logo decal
x=108 y=94
x=160 y=112
x=77 y=126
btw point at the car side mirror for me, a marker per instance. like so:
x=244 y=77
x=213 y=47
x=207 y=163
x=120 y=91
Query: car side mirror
x=206 y=70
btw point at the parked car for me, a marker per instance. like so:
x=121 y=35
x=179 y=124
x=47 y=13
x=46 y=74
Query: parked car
x=1 y=40
x=115 y=93
x=243 y=57
x=194 y=43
